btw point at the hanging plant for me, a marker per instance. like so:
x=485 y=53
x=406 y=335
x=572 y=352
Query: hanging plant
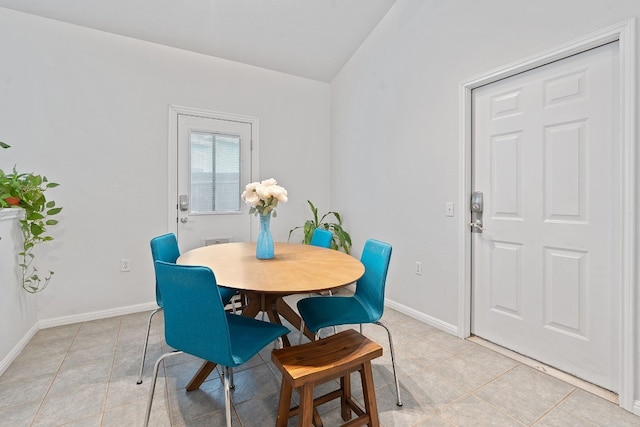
x=26 y=191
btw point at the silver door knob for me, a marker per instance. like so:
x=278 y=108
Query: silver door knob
x=184 y=219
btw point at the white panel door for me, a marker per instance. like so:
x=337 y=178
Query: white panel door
x=544 y=145
x=214 y=165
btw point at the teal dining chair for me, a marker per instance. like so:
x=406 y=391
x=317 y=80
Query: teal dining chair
x=196 y=323
x=322 y=238
x=365 y=306
x=165 y=248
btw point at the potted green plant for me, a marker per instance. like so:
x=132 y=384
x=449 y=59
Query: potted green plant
x=341 y=239
x=26 y=191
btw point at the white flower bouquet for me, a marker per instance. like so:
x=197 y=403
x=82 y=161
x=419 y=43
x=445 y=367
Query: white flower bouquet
x=264 y=196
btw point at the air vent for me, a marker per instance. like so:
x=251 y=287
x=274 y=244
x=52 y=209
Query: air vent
x=208 y=241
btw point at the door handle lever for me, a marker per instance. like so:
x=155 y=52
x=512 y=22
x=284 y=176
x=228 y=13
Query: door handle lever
x=477 y=225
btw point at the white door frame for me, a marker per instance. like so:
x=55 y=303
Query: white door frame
x=625 y=34
x=172 y=167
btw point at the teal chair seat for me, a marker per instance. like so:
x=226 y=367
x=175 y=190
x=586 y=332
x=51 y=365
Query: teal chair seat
x=196 y=323
x=365 y=306
x=321 y=312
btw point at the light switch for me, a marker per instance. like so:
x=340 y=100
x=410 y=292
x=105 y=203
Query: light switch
x=449 y=209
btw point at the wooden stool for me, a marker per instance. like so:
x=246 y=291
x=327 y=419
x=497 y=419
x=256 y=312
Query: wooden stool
x=318 y=362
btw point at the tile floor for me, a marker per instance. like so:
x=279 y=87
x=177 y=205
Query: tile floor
x=85 y=375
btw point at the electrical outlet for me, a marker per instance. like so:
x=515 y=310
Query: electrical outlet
x=418 y=270
x=125 y=264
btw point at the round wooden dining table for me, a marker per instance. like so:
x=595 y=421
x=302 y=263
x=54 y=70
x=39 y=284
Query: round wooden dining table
x=295 y=268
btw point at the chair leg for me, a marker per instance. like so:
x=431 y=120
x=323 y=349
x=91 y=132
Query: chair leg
x=301 y=331
x=393 y=363
x=227 y=394
x=232 y=384
x=153 y=384
x=146 y=342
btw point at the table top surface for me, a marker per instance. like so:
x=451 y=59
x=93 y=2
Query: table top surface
x=296 y=268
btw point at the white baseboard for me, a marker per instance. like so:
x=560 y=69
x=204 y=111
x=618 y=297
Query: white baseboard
x=95 y=315
x=447 y=327
x=17 y=349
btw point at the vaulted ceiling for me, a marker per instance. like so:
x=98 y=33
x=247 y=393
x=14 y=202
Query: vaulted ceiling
x=308 y=38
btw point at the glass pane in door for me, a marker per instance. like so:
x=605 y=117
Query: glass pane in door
x=215 y=173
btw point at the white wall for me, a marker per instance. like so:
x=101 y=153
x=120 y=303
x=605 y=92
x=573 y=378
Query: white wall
x=89 y=110
x=395 y=125
x=18 y=309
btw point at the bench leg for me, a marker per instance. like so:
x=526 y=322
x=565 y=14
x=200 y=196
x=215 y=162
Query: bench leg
x=284 y=404
x=305 y=416
x=369 y=394
x=345 y=386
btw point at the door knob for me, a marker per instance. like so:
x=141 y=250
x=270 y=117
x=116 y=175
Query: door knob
x=184 y=219
x=477 y=207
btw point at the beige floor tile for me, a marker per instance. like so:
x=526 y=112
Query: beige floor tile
x=64 y=408
x=494 y=363
x=431 y=389
x=133 y=414
x=464 y=374
x=22 y=392
x=596 y=410
x=559 y=418
x=19 y=415
x=259 y=412
x=72 y=378
x=471 y=411
x=408 y=414
x=25 y=368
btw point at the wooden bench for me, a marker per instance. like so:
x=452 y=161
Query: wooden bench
x=307 y=365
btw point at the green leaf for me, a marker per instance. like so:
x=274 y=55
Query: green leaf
x=54 y=211
x=36 y=230
x=34 y=216
x=3 y=145
x=51 y=222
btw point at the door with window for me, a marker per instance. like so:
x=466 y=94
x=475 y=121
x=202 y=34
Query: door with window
x=543 y=270
x=214 y=165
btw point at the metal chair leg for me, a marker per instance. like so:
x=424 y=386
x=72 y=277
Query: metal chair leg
x=393 y=362
x=301 y=331
x=153 y=384
x=146 y=342
x=227 y=394
x=232 y=384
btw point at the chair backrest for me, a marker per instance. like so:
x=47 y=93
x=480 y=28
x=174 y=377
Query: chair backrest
x=164 y=248
x=322 y=238
x=194 y=318
x=375 y=256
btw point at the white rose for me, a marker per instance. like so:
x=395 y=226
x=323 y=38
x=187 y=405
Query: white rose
x=269 y=182
x=251 y=198
x=263 y=191
x=279 y=193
